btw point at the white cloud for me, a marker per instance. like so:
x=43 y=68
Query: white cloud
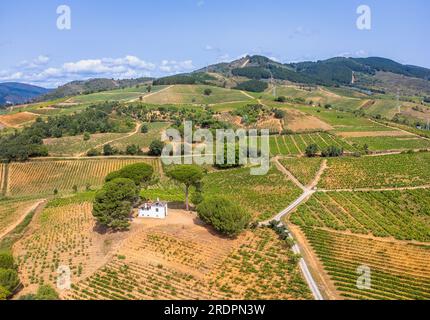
x=38 y=72
x=35 y=63
x=172 y=66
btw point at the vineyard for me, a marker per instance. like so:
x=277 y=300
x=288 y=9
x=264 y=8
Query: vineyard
x=264 y=196
x=188 y=262
x=398 y=270
x=17 y=119
x=62 y=235
x=404 y=215
x=43 y=177
x=304 y=169
x=291 y=145
x=2 y=178
x=262 y=268
x=401 y=170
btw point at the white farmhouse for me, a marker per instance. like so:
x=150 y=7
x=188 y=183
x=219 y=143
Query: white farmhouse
x=156 y=210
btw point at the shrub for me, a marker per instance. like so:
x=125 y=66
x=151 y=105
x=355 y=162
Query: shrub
x=279 y=114
x=207 y=92
x=281 y=99
x=4 y=293
x=311 y=150
x=93 y=153
x=46 y=292
x=156 y=148
x=87 y=136
x=108 y=150
x=9 y=279
x=6 y=261
x=332 y=151
x=133 y=150
x=145 y=128
x=224 y=215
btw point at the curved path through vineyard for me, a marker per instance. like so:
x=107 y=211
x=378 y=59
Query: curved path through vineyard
x=307 y=193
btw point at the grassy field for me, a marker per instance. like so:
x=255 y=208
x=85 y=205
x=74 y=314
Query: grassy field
x=403 y=215
x=191 y=94
x=75 y=145
x=304 y=169
x=143 y=140
x=391 y=143
x=116 y=95
x=377 y=172
x=264 y=196
x=398 y=271
x=42 y=177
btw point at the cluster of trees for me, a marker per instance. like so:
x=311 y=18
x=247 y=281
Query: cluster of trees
x=256 y=73
x=252 y=86
x=27 y=143
x=329 y=152
x=251 y=113
x=224 y=215
x=191 y=78
x=284 y=99
x=114 y=202
x=9 y=279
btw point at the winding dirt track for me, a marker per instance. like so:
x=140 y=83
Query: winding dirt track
x=36 y=206
x=136 y=131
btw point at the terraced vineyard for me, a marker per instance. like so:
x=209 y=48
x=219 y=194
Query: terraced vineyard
x=262 y=268
x=42 y=177
x=290 y=145
x=264 y=196
x=398 y=270
x=404 y=215
x=175 y=262
x=164 y=262
x=304 y=169
x=63 y=238
x=403 y=170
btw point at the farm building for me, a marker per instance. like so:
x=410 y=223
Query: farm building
x=156 y=210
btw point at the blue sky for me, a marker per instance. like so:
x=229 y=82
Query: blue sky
x=131 y=38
